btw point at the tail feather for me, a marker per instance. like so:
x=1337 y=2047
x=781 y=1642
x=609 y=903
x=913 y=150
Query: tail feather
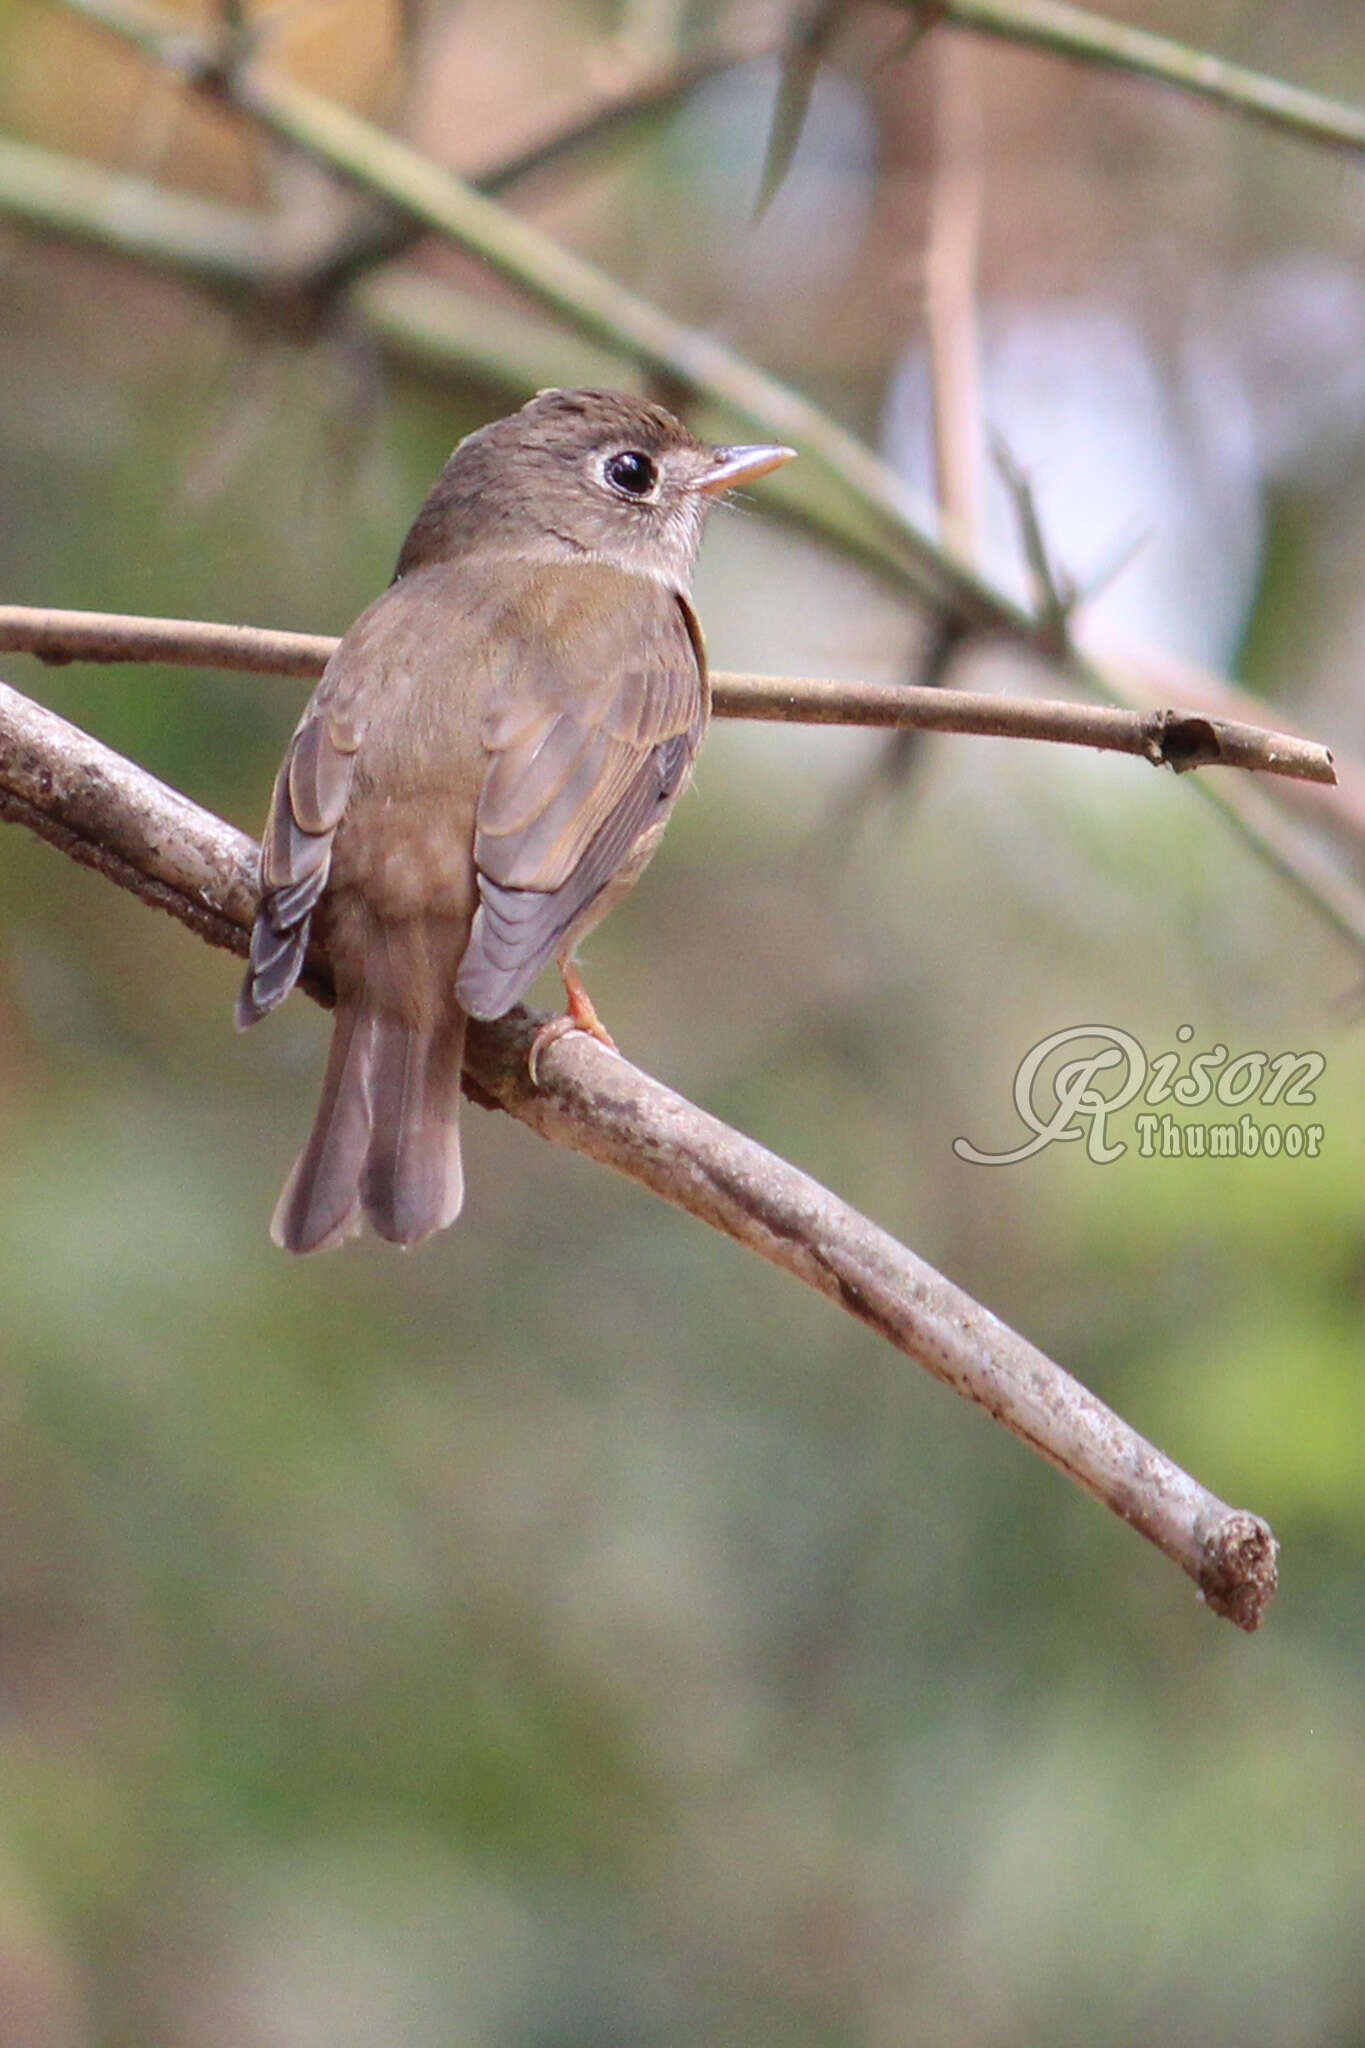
x=319 y=1205
x=385 y=1141
x=413 y=1182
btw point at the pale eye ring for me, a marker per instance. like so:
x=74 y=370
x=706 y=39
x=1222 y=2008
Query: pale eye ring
x=631 y=472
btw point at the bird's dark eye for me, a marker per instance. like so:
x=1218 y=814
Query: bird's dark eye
x=631 y=472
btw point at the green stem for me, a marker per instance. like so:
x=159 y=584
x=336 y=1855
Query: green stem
x=85 y=202
x=1067 y=31
x=593 y=302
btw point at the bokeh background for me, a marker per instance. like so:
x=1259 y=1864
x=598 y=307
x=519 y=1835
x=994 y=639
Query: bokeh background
x=574 y=1635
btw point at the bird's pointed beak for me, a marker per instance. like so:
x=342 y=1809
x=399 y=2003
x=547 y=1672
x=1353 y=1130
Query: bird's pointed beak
x=731 y=466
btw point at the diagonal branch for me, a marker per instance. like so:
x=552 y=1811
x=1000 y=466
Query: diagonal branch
x=627 y=100
x=104 y=810
x=1167 y=738
x=206 y=240
x=1066 y=31
x=577 y=291
x=1077 y=33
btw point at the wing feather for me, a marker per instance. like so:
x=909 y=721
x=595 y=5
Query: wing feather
x=586 y=754
x=579 y=776
x=309 y=801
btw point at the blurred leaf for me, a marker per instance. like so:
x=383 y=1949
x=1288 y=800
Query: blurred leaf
x=800 y=67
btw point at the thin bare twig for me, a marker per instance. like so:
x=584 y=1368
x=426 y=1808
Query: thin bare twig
x=1148 y=676
x=1166 y=738
x=61 y=636
x=148 y=838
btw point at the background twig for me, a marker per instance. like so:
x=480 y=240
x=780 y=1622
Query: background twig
x=1075 y=32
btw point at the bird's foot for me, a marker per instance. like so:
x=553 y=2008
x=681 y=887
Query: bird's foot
x=579 y=1016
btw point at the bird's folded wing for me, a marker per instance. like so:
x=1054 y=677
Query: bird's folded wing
x=591 y=737
x=308 y=803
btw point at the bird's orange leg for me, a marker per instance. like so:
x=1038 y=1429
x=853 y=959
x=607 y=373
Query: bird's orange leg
x=580 y=1016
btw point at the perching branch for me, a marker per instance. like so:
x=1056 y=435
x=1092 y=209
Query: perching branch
x=106 y=812
x=1166 y=738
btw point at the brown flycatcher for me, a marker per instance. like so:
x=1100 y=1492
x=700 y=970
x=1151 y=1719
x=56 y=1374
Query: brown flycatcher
x=485 y=768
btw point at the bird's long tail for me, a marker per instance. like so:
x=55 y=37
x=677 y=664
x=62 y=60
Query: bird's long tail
x=385 y=1143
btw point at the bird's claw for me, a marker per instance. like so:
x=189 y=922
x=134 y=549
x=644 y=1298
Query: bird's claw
x=579 y=1016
